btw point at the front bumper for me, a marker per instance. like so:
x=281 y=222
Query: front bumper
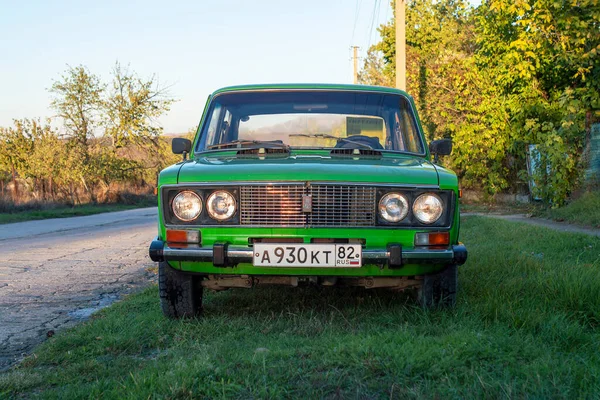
x=222 y=255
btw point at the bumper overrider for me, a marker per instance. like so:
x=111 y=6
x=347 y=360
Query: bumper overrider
x=224 y=255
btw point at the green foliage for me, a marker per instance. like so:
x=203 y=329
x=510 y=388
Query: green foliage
x=544 y=57
x=132 y=107
x=455 y=98
x=109 y=137
x=500 y=77
x=77 y=101
x=373 y=71
x=17 y=143
x=525 y=326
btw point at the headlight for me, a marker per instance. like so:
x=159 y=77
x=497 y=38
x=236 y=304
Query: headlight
x=393 y=207
x=220 y=205
x=187 y=206
x=428 y=208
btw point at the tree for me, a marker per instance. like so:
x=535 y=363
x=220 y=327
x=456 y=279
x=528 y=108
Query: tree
x=77 y=101
x=16 y=145
x=544 y=55
x=33 y=152
x=494 y=79
x=63 y=165
x=132 y=108
x=373 y=73
x=454 y=97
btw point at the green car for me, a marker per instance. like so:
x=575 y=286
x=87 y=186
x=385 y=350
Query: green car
x=307 y=184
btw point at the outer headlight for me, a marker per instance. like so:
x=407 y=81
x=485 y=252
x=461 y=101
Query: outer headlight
x=220 y=205
x=393 y=207
x=187 y=205
x=428 y=208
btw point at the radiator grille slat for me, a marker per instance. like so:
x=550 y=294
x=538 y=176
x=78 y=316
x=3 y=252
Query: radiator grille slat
x=332 y=205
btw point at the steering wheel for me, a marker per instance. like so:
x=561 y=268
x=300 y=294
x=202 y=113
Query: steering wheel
x=347 y=143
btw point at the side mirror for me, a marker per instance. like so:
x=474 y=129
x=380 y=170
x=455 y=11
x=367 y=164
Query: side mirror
x=181 y=146
x=440 y=147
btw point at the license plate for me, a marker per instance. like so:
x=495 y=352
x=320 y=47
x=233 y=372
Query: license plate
x=307 y=255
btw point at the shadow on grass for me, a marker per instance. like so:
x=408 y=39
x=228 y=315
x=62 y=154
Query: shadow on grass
x=302 y=299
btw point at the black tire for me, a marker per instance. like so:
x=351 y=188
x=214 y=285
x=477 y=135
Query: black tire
x=180 y=293
x=439 y=289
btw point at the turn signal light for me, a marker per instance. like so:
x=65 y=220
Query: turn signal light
x=174 y=236
x=432 y=239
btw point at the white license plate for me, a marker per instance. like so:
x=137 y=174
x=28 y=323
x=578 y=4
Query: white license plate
x=307 y=255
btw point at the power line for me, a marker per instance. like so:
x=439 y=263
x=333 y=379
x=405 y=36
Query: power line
x=376 y=8
x=356 y=12
x=387 y=11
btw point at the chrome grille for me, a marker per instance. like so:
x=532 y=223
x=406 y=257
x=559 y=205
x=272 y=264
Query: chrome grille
x=342 y=206
x=272 y=205
x=332 y=205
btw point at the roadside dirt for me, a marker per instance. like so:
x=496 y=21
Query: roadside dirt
x=59 y=272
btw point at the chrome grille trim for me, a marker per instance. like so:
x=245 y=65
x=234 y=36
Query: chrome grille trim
x=332 y=205
x=342 y=206
x=272 y=205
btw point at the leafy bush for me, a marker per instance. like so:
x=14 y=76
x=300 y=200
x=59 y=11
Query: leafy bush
x=38 y=164
x=497 y=78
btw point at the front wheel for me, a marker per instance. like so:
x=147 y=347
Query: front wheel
x=439 y=289
x=180 y=293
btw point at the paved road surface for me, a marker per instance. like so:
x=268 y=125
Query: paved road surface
x=55 y=273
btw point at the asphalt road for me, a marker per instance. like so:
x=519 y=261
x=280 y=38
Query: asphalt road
x=56 y=272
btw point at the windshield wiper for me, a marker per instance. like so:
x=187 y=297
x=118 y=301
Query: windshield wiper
x=339 y=139
x=243 y=143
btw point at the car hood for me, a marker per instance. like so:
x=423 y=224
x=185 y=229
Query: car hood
x=395 y=169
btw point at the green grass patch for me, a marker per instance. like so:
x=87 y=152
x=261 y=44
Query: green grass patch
x=67 y=211
x=526 y=325
x=496 y=208
x=583 y=211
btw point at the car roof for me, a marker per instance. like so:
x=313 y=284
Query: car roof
x=310 y=86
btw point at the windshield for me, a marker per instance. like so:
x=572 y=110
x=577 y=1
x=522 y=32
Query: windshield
x=311 y=119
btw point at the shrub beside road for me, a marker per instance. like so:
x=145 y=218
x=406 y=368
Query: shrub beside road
x=526 y=325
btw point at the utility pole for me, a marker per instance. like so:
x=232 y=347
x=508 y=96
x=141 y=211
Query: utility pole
x=355 y=59
x=400 y=45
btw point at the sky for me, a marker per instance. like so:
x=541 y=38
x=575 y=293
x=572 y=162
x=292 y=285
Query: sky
x=193 y=46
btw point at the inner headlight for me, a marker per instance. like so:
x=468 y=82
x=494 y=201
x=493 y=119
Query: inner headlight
x=428 y=208
x=393 y=207
x=220 y=205
x=187 y=205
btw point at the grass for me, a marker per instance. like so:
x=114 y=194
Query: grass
x=583 y=211
x=526 y=325
x=70 y=211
